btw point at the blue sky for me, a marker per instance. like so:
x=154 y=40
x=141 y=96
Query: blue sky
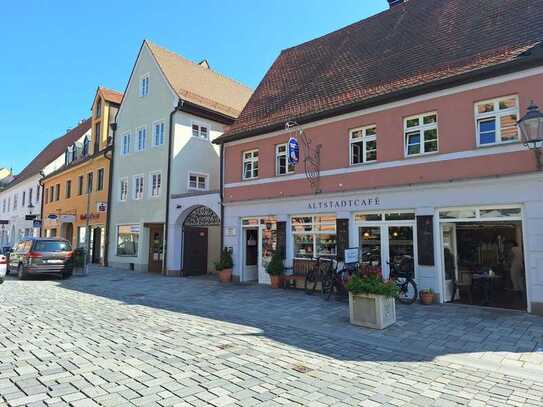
x=57 y=52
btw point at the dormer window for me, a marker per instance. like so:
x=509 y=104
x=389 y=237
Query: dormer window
x=69 y=155
x=73 y=152
x=85 y=146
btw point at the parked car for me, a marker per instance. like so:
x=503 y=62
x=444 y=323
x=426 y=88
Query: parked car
x=3 y=267
x=34 y=255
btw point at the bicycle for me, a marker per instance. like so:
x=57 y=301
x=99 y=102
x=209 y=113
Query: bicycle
x=402 y=274
x=335 y=280
x=315 y=274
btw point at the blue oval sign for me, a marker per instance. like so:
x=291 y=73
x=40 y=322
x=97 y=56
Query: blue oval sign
x=293 y=151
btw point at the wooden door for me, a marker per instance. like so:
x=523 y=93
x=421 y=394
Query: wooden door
x=96 y=245
x=195 y=251
x=156 y=248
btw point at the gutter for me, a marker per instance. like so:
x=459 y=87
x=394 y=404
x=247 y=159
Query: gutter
x=109 y=190
x=177 y=108
x=481 y=74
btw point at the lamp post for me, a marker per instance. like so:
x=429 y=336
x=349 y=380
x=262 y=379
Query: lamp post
x=30 y=209
x=531 y=131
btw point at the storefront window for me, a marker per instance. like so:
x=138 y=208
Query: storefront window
x=500 y=213
x=369 y=217
x=314 y=236
x=127 y=240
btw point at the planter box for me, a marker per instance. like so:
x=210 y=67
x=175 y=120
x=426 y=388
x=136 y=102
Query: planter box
x=372 y=311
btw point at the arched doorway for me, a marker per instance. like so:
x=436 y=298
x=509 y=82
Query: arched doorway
x=201 y=241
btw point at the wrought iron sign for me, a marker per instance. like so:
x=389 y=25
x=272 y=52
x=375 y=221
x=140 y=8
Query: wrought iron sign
x=311 y=158
x=202 y=216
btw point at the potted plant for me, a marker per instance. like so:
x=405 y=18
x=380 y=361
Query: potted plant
x=371 y=301
x=426 y=296
x=224 y=266
x=275 y=269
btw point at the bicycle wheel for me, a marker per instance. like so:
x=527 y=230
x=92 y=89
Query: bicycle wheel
x=327 y=285
x=408 y=290
x=310 y=282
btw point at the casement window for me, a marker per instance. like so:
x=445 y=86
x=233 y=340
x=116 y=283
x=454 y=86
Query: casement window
x=198 y=182
x=144 y=85
x=126 y=144
x=421 y=135
x=100 y=184
x=52 y=194
x=128 y=240
x=123 y=190
x=98 y=108
x=200 y=130
x=363 y=145
x=496 y=121
x=155 y=180
x=90 y=182
x=68 y=189
x=97 y=136
x=282 y=167
x=85 y=146
x=250 y=164
x=80 y=185
x=23 y=200
x=57 y=192
x=158 y=134
x=142 y=138
x=15 y=199
x=138 y=187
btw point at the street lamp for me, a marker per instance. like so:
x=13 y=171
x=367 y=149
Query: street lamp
x=531 y=131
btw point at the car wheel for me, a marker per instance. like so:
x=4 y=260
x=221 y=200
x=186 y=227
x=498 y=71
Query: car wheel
x=21 y=272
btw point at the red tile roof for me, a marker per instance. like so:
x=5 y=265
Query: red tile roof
x=111 y=95
x=50 y=153
x=412 y=45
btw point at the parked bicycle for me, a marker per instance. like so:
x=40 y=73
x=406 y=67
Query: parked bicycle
x=334 y=281
x=402 y=273
x=315 y=274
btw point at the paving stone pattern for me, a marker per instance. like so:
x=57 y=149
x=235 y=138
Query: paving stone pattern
x=117 y=338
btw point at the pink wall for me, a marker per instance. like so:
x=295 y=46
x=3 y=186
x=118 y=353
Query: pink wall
x=456 y=133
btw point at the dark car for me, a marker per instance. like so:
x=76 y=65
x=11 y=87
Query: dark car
x=41 y=256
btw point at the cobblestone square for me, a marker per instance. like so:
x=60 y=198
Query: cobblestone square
x=117 y=338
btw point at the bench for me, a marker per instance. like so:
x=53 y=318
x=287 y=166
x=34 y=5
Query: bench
x=298 y=271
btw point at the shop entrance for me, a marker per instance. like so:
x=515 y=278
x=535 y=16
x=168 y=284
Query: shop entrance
x=96 y=244
x=156 y=247
x=259 y=244
x=483 y=257
x=386 y=238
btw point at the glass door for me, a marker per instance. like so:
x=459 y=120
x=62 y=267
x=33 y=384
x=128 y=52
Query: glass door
x=401 y=247
x=450 y=267
x=268 y=245
x=370 y=248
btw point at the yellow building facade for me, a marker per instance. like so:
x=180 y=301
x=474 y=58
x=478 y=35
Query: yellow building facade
x=76 y=197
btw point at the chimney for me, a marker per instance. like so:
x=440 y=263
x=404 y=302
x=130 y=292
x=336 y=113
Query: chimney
x=393 y=3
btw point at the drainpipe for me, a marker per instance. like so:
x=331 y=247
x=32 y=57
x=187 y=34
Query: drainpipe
x=109 y=198
x=221 y=193
x=170 y=147
x=41 y=201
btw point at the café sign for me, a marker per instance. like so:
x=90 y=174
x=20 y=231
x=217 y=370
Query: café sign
x=356 y=203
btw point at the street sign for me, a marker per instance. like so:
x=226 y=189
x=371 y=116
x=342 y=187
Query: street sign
x=101 y=206
x=293 y=151
x=67 y=218
x=52 y=216
x=30 y=217
x=36 y=223
x=4 y=222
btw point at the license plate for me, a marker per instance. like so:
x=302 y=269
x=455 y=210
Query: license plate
x=53 y=261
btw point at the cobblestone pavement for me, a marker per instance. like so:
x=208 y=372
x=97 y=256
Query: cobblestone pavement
x=118 y=338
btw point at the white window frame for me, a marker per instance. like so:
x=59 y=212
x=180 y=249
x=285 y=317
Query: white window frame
x=278 y=154
x=496 y=114
x=136 y=194
x=251 y=161
x=200 y=125
x=153 y=135
x=137 y=143
x=143 y=88
x=125 y=136
x=123 y=197
x=364 y=140
x=197 y=175
x=421 y=128
x=152 y=187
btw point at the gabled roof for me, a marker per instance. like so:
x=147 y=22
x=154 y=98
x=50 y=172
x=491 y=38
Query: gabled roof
x=199 y=84
x=50 y=153
x=110 y=95
x=392 y=55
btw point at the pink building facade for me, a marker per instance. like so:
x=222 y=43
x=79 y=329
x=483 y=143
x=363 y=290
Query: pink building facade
x=451 y=158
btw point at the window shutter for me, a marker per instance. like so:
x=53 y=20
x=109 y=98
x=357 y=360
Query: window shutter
x=425 y=240
x=282 y=238
x=342 y=226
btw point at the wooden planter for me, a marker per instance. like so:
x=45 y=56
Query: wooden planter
x=225 y=276
x=276 y=281
x=372 y=311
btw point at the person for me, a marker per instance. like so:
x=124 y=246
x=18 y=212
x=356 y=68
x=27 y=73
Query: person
x=516 y=267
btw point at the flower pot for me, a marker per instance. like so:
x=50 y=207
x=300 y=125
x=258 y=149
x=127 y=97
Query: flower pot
x=276 y=281
x=426 y=298
x=225 y=276
x=372 y=311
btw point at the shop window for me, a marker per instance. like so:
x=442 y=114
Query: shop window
x=496 y=121
x=250 y=164
x=128 y=240
x=480 y=213
x=363 y=145
x=282 y=166
x=314 y=236
x=421 y=136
